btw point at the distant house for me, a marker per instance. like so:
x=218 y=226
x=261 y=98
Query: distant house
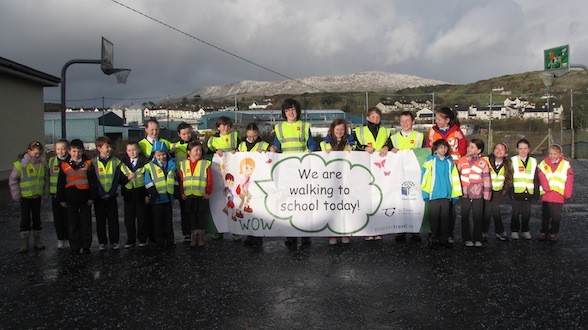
x=21 y=109
x=386 y=106
x=424 y=114
x=261 y=105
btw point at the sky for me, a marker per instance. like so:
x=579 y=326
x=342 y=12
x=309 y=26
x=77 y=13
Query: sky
x=170 y=54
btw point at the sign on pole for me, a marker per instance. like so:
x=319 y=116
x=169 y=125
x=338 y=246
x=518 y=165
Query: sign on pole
x=556 y=58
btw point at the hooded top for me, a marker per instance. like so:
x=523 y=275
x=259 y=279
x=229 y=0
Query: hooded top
x=14 y=178
x=169 y=165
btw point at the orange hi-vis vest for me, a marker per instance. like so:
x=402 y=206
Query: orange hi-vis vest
x=77 y=178
x=471 y=173
x=450 y=138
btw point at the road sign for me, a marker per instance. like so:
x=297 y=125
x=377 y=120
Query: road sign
x=556 y=58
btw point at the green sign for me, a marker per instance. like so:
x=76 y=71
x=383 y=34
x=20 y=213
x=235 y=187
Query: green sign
x=556 y=58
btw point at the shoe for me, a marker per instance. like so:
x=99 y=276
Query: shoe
x=542 y=237
x=187 y=238
x=527 y=235
x=345 y=239
x=141 y=245
x=333 y=240
x=115 y=246
x=215 y=236
x=503 y=237
x=239 y=214
x=291 y=241
x=226 y=211
x=60 y=244
x=484 y=237
x=400 y=237
x=469 y=243
x=368 y=238
x=236 y=237
x=450 y=240
x=129 y=245
x=101 y=247
x=553 y=238
x=514 y=235
x=247 y=209
x=377 y=238
x=416 y=237
x=478 y=244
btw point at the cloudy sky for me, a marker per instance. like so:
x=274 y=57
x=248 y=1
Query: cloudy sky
x=457 y=41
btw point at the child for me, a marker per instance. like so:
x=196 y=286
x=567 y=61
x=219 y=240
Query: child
x=501 y=176
x=59 y=212
x=251 y=143
x=373 y=137
x=477 y=187
x=338 y=139
x=195 y=183
x=293 y=136
x=107 y=169
x=160 y=182
x=76 y=191
x=151 y=135
x=27 y=185
x=224 y=139
x=525 y=182
x=440 y=187
x=179 y=153
x=407 y=139
x=447 y=127
x=557 y=182
x=134 y=195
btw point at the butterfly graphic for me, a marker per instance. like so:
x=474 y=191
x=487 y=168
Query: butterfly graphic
x=387 y=173
x=380 y=164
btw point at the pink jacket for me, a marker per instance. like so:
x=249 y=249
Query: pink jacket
x=551 y=196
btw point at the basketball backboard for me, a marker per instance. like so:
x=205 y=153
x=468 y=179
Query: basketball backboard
x=107 y=56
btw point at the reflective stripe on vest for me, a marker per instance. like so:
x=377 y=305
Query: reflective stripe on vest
x=523 y=177
x=76 y=178
x=32 y=179
x=428 y=182
x=471 y=173
x=497 y=178
x=53 y=174
x=413 y=140
x=450 y=138
x=145 y=146
x=327 y=146
x=105 y=174
x=180 y=154
x=138 y=180
x=292 y=137
x=194 y=183
x=258 y=147
x=557 y=180
x=366 y=138
x=162 y=182
x=227 y=142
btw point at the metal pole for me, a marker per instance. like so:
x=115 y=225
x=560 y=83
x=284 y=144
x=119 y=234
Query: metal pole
x=366 y=102
x=573 y=139
x=63 y=76
x=490 y=125
x=103 y=131
x=433 y=108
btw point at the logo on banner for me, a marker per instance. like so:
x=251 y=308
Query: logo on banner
x=407 y=190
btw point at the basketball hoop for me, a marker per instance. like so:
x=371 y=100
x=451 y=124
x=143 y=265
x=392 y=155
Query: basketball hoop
x=121 y=74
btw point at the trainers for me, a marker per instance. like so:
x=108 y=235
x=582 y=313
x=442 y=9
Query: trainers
x=101 y=247
x=60 y=244
x=369 y=238
x=478 y=244
x=187 y=238
x=142 y=244
x=377 y=238
x=527 y=235
x=553 y=238
x=333 y=240
x=115 y=246
x=502 y=236
x=129 y=245
x=514 y=235
x=450 y=240
x=345 y=240
x=542 y=236
x=469 y=243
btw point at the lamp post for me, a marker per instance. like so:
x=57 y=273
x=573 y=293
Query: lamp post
x=489 y=141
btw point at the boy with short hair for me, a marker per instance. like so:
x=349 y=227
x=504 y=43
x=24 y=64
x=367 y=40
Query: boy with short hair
x=59 y=212
x=107 y=168
x=134 y=194
x=225 y=139
x=178 y=151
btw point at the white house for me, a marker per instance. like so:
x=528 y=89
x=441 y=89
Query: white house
x=261 y=104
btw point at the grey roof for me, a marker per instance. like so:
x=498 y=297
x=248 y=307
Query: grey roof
x=10 y=68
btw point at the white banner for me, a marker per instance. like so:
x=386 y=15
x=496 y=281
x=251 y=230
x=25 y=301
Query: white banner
x=317 y=194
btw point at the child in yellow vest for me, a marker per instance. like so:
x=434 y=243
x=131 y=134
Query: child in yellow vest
x=501 y=176
x=59 y=212
x=526 y=188
x=134 y=194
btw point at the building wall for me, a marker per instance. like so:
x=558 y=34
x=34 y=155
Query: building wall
x=21 y=110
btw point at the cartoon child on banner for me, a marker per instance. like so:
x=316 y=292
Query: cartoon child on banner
x=229 y=180
x=246 y=168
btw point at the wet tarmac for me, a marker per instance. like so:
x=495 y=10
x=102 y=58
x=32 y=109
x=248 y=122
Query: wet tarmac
x=377 y=284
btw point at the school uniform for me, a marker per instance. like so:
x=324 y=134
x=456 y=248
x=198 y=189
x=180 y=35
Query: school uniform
x=525 y=188
x=106 y=208
x=59 y=212
x=134 y=193
x=180 y=154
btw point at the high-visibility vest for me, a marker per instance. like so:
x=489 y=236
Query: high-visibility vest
x=471 y=173
x=194 y=183
x=180 y=154
x=451 y=140
x=53 y=174
x=162 y=182
x=145 y=146
x=497 y=177
x=327 y=146
x=557 y=180
x=105 y=174
x=293 y=137
x=259 y=146
x=32 y=179
x=226 y=142
x=428 y=182
x=77 y=178
x=365 y=137
x=413 y=140
x=523 y=178
x=139 y=179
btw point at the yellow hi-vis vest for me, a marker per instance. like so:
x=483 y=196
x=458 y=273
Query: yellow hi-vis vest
x=557 y=180
x=523 y=177
x=428 y=182
x=145 y=146
x=180 y=154
x=258 y=147
x=293 y=137
x=162 y=182
x=227 y=142
x=413 y=140
x=105 y=174
x=53 y=174
x=497 y=178
x=365 y=137
x=194 y=183
x=139 y=179
x=327 y=146
x=32 y=179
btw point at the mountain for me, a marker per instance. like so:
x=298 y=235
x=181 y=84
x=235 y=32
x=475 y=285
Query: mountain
x=358 y=82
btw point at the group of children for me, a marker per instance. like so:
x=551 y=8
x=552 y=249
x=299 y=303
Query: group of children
x=155 y=172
